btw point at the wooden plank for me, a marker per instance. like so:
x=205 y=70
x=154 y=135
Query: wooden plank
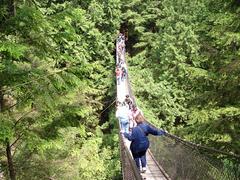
x=153 y=172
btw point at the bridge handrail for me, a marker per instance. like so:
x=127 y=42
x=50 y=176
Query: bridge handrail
x=195 y=147
x=188 y=143
x=128 y=165
x=126 y=156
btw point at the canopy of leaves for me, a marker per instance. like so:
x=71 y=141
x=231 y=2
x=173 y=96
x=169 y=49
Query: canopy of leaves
x=56 y=77
x=184 y=67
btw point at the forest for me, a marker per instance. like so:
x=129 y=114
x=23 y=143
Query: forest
x=57 y=80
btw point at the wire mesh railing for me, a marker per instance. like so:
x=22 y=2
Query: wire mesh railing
x=129 y=169
x=183 y=160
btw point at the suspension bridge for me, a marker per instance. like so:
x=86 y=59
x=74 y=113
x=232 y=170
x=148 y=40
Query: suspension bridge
x=169 y=157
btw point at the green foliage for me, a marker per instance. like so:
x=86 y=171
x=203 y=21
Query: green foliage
x=14 y=50
x=56 y=75
x=5 y=129
x=184 y=67
x=56 y=68
x=72 y=155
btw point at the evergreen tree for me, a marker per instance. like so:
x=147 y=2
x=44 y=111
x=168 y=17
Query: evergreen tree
x=55 y=72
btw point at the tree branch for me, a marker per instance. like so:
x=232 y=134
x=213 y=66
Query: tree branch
x=18 y=138
x=22 y=117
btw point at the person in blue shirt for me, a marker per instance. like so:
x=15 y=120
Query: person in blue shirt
x=139 y=140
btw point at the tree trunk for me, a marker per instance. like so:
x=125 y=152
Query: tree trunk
x=8 y=146
x=1 y=99
x=1 y=108
x=11 y=8
x=10 y=162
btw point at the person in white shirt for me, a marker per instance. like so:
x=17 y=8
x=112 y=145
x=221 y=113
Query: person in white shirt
x=122 y=113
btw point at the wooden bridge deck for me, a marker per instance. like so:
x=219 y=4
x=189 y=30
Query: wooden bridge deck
x=154 y=171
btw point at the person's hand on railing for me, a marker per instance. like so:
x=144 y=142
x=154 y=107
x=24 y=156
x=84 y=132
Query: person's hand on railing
x=162 y=132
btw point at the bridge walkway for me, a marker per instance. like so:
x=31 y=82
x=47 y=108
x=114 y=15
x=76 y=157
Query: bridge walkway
x=154 y=170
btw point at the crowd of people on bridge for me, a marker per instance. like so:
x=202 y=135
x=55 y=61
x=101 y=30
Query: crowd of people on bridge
x=121 y=73
x=132 y=122
x=121 y=70
x=126 y=113
x=134 y=127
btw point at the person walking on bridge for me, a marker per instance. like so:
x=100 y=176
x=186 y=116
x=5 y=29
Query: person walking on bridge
x=139 y=140
x=122 y=113
x=118 y=75
x=135 y=111
x=129 y=101
x=124 y=73
x=119 y=39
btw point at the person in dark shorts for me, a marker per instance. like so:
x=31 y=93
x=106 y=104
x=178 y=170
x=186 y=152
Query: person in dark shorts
x=129 y=101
